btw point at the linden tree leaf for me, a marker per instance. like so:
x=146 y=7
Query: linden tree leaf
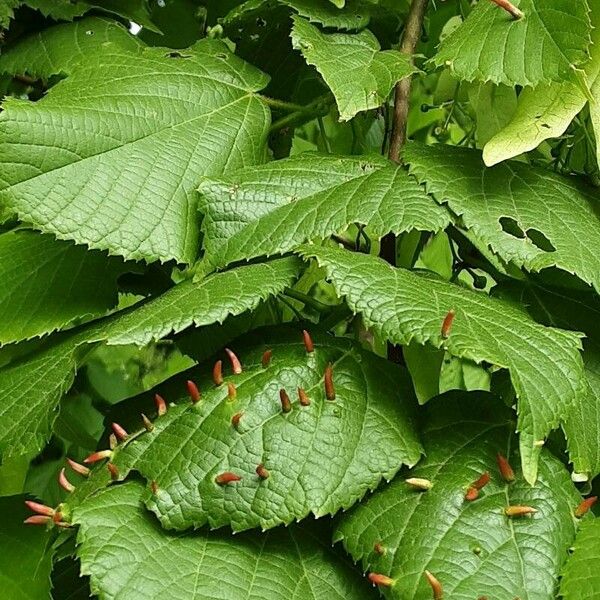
x=544 y=363
x=32 y=386
x=273 y=208
x=544 y=46
x=358 y=73
x=148 y=126
x=579 y=311
x=320 y=457
x=471 y=547
x=581 y=577
x=26 y=554
x=547 y=111
x=48 y=284
x=120 y=543
x=57 y=49
x=528 y=216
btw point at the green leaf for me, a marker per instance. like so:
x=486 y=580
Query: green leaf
x=547 y=111
x=58 y=49
x=528 y=216
x=26 y=554
x=544 y=363
x=581 y=577
x=127 y=554
x=542 y=47
x=30 y=390
x=125 y=183
x=274 y=208
x=32 y=386
x=321 y=457
x=359 y=74
x=48 y=284
x=579 y=311
x=355 y=15
x=494 y=106
x=472 y=548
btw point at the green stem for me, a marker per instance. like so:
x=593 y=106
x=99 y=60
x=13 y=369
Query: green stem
x=324 y=135
x=282 y=104
x=317 y=108
x=307 y=300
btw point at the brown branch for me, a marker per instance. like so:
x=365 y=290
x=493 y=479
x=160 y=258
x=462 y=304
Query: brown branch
x=410 y=37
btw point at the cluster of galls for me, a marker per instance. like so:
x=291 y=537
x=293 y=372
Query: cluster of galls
x=46 y=515
x=471 y=494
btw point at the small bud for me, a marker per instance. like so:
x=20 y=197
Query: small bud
x=148 y=425
x=328 y=378
x=379 y=548
x=379 y=579
x=226 y=477
x=193 y=391
x=447 y=323
x=303 y=398
x=78 y=468
x=236 y=365
x=120 y=433
x=286 y=405
x=235 y=420
x=112 y=441
x=519 y=511
x=154 y=487
x=472 y=494
x=436 y=586
x=112 y=469
x=217 y=373
x=585 y=506
x=510 y=8
x=539 y=443
x=64 y=483
x=262 y=472
x=482 y=481
x=266 y=358
x=308 y=343
x=419 y=484
x=37 y=520
x=40 y=509
x=97 y=456
x=231 y=391
x=505 y=469
x=161 y=405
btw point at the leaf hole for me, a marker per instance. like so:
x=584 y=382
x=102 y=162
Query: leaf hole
x=540 y=240
x=510 y=226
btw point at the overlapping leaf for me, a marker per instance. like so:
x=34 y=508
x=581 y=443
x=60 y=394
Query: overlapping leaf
x=472 y=548
x=32 y=386
x=547 y=111
x=358 y=73
x=274 y=208
x=581 y=577
x=48 y=284
x=579 y=311
x=320 y=457
x=119 y=543
x=544 y=363
x=111 y=155
x=544 y=46
x=526 y=215
x=58 y=49
x=26 y=557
